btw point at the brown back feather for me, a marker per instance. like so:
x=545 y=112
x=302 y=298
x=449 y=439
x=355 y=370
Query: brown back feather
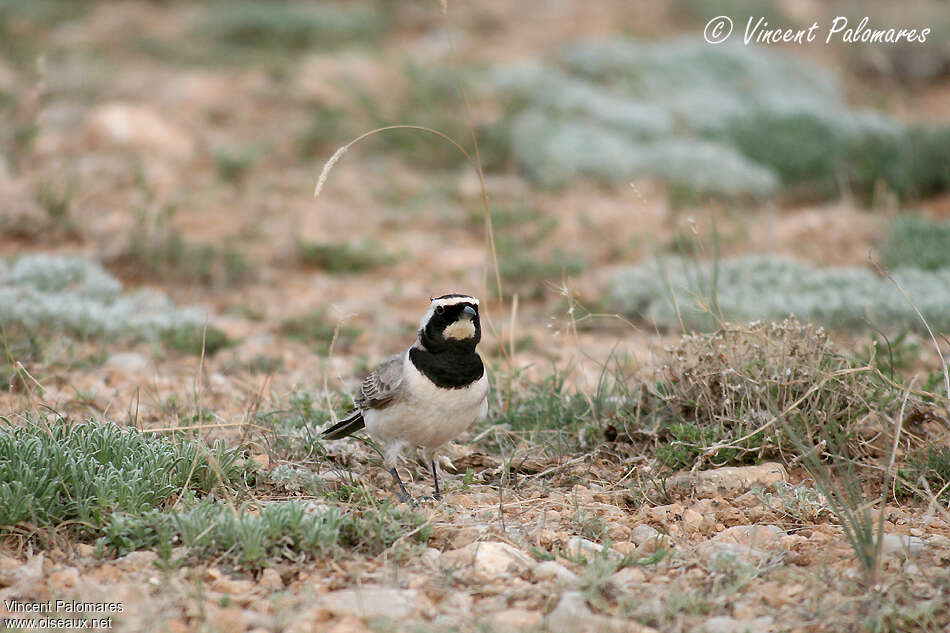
x=379 y=389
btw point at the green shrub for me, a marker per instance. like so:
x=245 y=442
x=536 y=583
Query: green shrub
x=675 y=292
x=24 y=26
x=46 y=294
x=520 y=239
x=285 y=27
x=917 y=242
x=929 y=160
x=765 y=391
x=729 y=121
x=317 y=327
x=195 y=339
x=343 y=257
x=799 y=147
x=933 y=465
x=430 y=99
x=702 y=11
x=158 y=250
x=524 y=272
x=56 y=474
x=300 y=480
x=57 y=202
x=688 y=442
x=556 y=150
x=232 y=166
x=328 y=129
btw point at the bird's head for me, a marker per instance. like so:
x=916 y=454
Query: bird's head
x=451 y=324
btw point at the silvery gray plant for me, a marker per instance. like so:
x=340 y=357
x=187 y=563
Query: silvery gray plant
x=675 y=291
x=727 y=120
x=76 y=296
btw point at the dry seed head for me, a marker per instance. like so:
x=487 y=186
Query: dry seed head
x=326 y=170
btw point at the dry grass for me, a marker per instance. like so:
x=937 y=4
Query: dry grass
x=762 y=391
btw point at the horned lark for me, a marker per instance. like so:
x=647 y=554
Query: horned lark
x=428 y=394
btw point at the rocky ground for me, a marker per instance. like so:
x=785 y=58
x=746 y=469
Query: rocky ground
x=729 y=549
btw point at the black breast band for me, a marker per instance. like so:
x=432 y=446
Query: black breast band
x=447 y=370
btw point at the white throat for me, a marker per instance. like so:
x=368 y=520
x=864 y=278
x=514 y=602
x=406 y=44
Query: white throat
x=460 y=330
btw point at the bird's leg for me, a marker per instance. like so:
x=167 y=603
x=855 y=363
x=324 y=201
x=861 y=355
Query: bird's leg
x=435 y=477
x=402 y=495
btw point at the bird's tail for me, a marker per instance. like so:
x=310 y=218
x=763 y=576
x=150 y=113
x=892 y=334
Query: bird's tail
x=348 y=425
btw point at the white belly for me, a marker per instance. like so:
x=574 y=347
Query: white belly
x=427 y=416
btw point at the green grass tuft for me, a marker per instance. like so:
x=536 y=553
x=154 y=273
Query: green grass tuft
x=328 y=129
x=195 y=339
x=283 y=27
x=232 y=166
x=551 y=413
x=343 y=257
x=317 y=327
x=687 y=443
x=296 y=428
x=157 y=250
x=521 y=231
x=25 y=26
x=57 y=203
x=253 y=538
x=933 y=465
x=702 y=11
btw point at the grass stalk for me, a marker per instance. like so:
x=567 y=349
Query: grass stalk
x=472 y=161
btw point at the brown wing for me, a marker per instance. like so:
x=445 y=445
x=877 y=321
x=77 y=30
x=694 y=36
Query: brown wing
x=380 y=387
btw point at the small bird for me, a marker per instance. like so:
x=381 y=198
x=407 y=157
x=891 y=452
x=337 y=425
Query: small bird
x=428 y=394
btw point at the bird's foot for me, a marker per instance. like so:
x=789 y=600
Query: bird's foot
x=402 y=494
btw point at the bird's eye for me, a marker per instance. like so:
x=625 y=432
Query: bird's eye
x=439 y=309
